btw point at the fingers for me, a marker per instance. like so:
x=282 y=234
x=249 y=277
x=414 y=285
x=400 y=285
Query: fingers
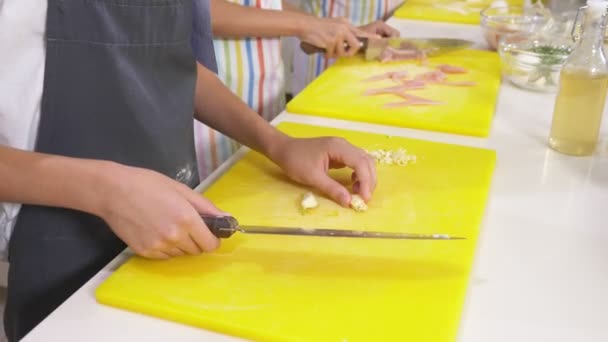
x=200 y=238
x=340 y=49
x=365 y=34
x=380 y=29
x=371 y=163
x=361 y=163
x=357 y=184
x=200 y=203
x=332 y=189
x=352 y=42
x=188 y=246
x=174 y=252
x=155 y=255
x=386 y=30
x=203 y=238
x=341 y=38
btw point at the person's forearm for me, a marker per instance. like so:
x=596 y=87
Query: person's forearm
x=42 y=179
x=216 y=106
x=229 y=20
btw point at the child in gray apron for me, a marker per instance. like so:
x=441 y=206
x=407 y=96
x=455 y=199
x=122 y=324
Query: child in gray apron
x=119 y=86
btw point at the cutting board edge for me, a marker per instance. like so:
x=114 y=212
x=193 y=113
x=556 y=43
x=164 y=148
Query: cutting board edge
x=479 y=133
x=487 y=199
x=400 y=15
x=230 y=329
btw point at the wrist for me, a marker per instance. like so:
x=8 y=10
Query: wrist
x=303 y=24
x=105 y=180
x=274 y=146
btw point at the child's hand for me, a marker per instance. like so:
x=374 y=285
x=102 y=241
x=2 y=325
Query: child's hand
x=308 y=160
x=156 y=216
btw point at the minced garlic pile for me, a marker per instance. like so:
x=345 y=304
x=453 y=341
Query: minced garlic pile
x=392 y=157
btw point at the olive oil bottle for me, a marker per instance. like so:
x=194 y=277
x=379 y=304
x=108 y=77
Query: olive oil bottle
x=583 y=88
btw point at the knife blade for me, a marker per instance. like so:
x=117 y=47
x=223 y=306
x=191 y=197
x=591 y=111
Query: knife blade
x=373 y=48
x=225 y=226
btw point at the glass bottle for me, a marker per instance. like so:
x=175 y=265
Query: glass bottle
x=583 y=88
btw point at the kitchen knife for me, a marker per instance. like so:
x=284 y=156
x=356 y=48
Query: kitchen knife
x=372 y=48
x=226 y=226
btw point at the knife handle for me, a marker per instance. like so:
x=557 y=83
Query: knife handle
x=310 y=49
x=221 y=226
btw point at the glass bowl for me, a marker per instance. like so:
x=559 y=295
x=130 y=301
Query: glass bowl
x=534 y=62
x=499 y=21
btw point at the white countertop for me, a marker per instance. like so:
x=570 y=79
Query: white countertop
x=541 y=269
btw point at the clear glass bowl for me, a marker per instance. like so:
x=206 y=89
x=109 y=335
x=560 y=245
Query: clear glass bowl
x=534 y=62
x=499 y=21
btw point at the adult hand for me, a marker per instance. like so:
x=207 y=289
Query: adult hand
x=380 y=28
x=156 y=216
x=308 y=161
x=336 y=35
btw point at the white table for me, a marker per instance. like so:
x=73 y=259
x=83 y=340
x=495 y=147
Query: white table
x=541 y=268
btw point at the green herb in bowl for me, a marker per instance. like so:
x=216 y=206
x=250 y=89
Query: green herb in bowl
x=551 y=55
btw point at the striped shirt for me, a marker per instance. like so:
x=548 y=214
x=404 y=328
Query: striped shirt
x=253 y=69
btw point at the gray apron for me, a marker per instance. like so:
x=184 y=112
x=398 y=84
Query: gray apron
x=119 y=86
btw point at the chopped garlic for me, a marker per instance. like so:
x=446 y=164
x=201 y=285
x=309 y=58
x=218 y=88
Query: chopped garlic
x=309 y=201
x=357 y=203
x=395 y=157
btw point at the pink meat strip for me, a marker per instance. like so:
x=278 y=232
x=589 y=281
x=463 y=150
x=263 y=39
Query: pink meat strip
x=398 y=76
x=391 y=54
x=440 y=78
x=451 y=69
x=377 y=78
x=432 y=77
x=415 y=84
x=393 y=75
x=397 y=90
x=410 y=97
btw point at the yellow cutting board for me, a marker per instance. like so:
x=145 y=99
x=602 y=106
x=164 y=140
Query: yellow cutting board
x=305 y=289
x=450 y=11
x=338 y=93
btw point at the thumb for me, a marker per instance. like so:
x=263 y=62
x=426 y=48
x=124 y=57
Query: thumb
x=333 y=189
x=201 y=204
x=204 y=206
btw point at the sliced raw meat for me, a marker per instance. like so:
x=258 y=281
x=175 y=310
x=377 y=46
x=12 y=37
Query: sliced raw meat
x=398 y=76
x=393 y=90
x=376 y=78
x=391 y=54
x=393 y=75
x=431 y=77
x=413 y=84
x=419 y=99
x=451 y=69
x=406 y=51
